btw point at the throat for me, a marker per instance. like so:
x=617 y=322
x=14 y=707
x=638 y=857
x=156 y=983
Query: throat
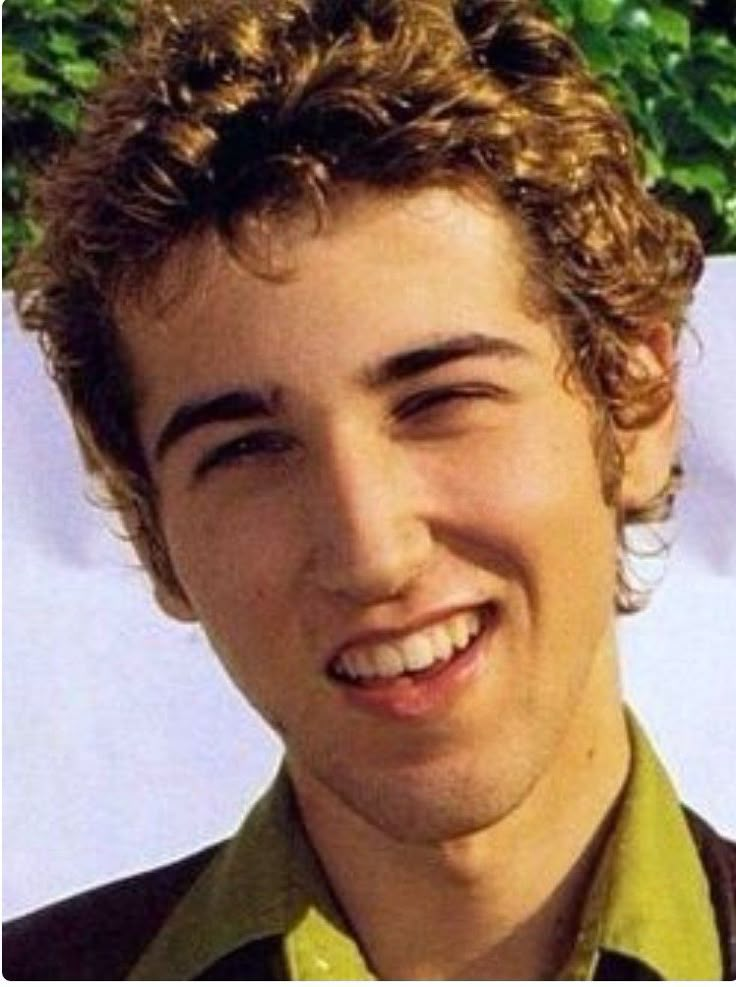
x=504 y=902
x=477 y=930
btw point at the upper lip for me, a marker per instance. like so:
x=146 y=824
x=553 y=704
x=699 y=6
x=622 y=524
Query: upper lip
x=381 y=635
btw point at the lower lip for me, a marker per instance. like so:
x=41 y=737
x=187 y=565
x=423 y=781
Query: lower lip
x=424 y=693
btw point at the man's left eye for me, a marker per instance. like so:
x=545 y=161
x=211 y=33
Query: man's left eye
x=423 y=401
x=264 y=444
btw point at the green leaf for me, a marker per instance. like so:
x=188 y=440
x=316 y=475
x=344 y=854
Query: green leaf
x=63 y=44
x=717 y=121
x=716 y=47
x=16 y=232
x=639 y=58
x=598 y=11
x=638 y=18
x=82 y=74
x=671 y=25
x=563 y=12
x=601 y=54
x=14 y=187
x=726 y=91
x=708 y=176
x=654 y=168
x=18 y=80
x=65 y=113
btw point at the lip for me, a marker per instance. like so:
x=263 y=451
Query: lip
x=425 y=694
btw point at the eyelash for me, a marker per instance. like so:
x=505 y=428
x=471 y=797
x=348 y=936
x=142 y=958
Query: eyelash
x=271 y=441
x=425 y=400
x=265 y=442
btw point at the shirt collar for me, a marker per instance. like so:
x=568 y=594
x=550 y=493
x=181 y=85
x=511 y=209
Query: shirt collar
x=649 y=900
x=265 y=882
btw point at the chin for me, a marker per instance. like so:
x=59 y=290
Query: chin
x=427 y=805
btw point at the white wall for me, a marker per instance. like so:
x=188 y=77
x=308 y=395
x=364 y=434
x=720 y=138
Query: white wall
x=126 y=746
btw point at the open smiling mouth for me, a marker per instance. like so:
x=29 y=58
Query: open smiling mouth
x=416 y=657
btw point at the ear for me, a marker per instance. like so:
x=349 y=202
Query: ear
x=172 y=600
x=153 y=555
x=649 y=448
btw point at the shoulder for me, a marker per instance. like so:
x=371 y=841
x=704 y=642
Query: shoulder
x=98 y=935
x=717 y=852
x=718 y=856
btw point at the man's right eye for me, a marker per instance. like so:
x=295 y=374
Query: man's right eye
x=262 y=444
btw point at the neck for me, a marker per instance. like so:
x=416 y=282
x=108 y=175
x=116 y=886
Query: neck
x=501 y=903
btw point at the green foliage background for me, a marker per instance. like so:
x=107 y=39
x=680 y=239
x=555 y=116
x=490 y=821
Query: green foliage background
x=671 y=67
x=670 y=64
x=52 y=50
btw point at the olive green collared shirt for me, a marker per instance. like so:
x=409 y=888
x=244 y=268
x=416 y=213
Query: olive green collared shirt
x=649 y=900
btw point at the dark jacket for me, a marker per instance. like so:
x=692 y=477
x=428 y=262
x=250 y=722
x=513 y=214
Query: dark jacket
x=100 y=935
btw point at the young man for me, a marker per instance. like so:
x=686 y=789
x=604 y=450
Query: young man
x=366 y=320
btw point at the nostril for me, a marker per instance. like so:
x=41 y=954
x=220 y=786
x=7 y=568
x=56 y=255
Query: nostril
x=370 y=573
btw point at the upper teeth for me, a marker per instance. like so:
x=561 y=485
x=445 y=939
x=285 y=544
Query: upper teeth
x=411 y=653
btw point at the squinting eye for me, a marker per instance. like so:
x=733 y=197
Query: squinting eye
x=424 y=400
x=255 y=444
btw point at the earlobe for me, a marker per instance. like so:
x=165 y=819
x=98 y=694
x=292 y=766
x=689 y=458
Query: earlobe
x=173 y=602
x=154 y=557
x=169 y=593
x=649 y=448
x=649 y=453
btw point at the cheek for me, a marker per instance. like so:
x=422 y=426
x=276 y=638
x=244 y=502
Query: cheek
x=235 y=568
x=537 y=500
x=236 y=580
x=526 y=474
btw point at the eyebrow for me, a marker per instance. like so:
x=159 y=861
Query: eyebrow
x=436 y=354
x=234 y=405
x=239 y=404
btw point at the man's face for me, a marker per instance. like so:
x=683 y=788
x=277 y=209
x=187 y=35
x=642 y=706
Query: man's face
x=383 y=505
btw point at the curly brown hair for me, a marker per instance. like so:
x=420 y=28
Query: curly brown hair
x=225 y=109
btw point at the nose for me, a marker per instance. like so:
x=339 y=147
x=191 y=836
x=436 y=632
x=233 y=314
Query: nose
x=369 y=541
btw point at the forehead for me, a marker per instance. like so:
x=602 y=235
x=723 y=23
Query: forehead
x=284 y=247
x=381 y=273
